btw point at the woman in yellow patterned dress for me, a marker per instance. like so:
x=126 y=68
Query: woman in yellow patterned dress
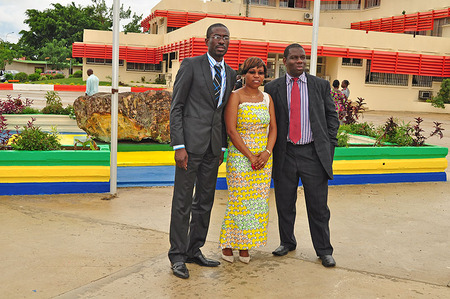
x=251 y=126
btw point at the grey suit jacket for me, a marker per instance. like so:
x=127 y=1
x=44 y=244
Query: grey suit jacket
x=323 y=117
x=195 y=119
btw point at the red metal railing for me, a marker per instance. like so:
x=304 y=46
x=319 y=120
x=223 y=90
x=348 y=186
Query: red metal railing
x=420 y=21
x=238 y=51
x=180 y=19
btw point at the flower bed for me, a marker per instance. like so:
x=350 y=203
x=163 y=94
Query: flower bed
x=54 y=172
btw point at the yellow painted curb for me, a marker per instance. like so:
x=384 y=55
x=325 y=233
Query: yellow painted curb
x=150 y=158
x=40 y=174
x=379 y=166
x=389 y=166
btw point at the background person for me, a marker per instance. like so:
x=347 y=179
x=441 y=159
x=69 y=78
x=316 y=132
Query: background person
x=338 y=96
x=91 y=83
x=248 y=116
x=197 y=130
x=345 y=89
x=307 y=125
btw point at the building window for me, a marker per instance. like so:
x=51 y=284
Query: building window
x=437 y=27
x=170 y=29
x=422 y=81
x=294 y=3
x=371 y=3
x=385 y=78
x=352 y=61
x=143 y=67
x=340 y=5
x=263 y=2
x=102 y=61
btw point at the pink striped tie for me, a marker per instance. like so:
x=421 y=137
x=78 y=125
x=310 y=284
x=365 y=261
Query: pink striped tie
x=295 y=128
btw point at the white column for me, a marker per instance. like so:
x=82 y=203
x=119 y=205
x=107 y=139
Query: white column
x=315 y=37
x=114 y=97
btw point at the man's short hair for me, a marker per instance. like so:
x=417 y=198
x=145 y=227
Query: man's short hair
x=286 y=51
x=210 y=28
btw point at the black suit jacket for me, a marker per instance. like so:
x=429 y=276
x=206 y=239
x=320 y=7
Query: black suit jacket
x=322 y=114
x=195 y=119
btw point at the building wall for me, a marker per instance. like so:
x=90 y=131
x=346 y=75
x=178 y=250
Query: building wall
x=332 y=18
x=332 y=33
x=29 y=68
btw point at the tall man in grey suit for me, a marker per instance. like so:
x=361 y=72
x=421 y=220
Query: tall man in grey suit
x=307 y=125
x=198 y=136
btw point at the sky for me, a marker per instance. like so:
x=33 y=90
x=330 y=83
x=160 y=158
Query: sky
x=12 y=12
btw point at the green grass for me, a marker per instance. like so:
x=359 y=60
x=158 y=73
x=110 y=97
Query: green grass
x=68 y=81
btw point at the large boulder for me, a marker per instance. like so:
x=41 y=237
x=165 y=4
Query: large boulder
x=142 y=115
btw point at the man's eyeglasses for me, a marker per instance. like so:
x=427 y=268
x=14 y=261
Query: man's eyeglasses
x=219 y=37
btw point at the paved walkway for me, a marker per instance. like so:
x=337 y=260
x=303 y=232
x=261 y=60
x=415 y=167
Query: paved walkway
x=391 y=241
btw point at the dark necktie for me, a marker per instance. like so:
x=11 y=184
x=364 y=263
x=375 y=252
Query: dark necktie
x=295 y=128
x=217 y=82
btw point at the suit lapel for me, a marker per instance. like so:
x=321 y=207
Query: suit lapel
x=208 y=76
x=282 y=92
x=228 y=86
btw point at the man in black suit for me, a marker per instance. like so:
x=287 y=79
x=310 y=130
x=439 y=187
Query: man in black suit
x=307 y=125
x=198 y=136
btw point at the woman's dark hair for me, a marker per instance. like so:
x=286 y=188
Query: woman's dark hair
x=252 y=62
x=336 y=83
x=346 y=82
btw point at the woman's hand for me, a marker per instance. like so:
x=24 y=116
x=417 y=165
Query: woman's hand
x=263 y=157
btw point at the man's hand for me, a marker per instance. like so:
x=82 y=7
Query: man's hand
x=181 y=158
x=222 y=156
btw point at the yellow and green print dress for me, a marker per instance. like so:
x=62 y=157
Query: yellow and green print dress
x=247 y=213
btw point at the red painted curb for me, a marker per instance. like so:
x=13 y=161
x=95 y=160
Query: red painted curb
x=69 y=87
x=6 y=86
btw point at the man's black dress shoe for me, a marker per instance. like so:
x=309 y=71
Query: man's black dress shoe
x=179 y=270
x=201 y=260
x=327 y=260
x=281 y=250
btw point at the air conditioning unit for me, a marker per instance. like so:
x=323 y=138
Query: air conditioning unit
x=425 y=94
x=308 y=16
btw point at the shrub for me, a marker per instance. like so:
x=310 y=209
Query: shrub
x=34 y=139
x=59 y=76
x=14 y=105
x=29 y=110
x=22 y=77
x=78 y=74
x=53 y=103
x=9 y=76
x=351 y=111
x=160 y=80
x=366 y=129
x=38 y=71
x=69 y=111
x=443 y=96
x=5 y=134
x=342 y=138
x=34 y=77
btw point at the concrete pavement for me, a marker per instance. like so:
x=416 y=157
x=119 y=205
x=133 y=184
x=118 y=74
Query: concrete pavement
x=390 y=241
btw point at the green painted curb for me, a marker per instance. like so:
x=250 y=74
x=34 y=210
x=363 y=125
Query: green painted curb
x=56 y=158
x=390 y=152
x=140 y=147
